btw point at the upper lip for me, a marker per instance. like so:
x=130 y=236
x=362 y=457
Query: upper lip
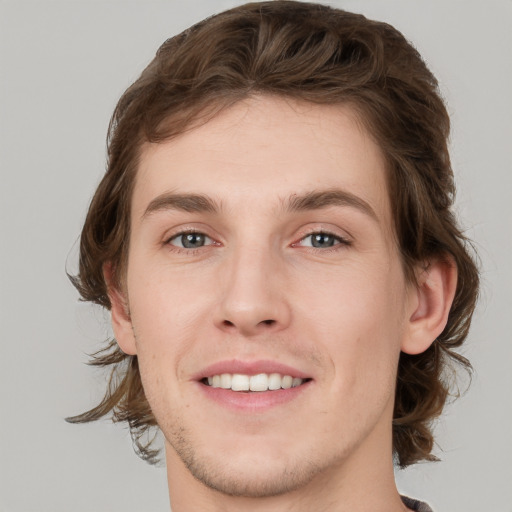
x=249 y=368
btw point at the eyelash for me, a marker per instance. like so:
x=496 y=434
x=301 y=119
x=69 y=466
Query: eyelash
x=188 y=250
x=341 y=241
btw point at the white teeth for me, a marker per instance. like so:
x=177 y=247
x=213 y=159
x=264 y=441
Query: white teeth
x=240 y=382
x=274 y=381
x=287 y=382
x=260 y=382
x=225 y=381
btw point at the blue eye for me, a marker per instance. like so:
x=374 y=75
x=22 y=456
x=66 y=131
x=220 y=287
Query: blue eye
x=321 y=240
x=190 y=240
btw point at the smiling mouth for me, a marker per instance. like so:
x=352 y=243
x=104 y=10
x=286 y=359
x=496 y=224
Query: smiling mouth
x=259 y=383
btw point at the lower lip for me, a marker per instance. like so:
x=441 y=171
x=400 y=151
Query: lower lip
x=255 y=401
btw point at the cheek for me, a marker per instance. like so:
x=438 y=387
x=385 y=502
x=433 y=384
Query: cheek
x=357 y=318
x=163 y=301
x=170 y=315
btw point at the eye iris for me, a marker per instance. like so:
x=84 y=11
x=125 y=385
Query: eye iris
x=322 y=240
x=192 y=240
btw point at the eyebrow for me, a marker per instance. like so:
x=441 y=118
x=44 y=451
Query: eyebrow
x=314 y=200
x=317 y=200
x=196 y=203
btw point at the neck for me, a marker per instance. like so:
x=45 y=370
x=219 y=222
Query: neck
x=362 y=482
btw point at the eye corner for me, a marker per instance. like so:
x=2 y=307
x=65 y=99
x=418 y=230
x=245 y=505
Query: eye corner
x=189 y=240
x=322 y=240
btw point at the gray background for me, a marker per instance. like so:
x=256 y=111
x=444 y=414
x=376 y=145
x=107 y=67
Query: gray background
x=63 y=66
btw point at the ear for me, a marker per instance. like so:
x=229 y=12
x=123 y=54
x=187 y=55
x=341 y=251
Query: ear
x=430 y=304
x=120 y=313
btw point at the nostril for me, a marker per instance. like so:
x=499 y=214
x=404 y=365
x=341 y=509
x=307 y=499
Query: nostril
x=246 y=326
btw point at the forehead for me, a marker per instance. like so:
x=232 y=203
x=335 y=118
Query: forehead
x=264 y=150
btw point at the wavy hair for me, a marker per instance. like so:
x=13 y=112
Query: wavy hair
x=317 y=54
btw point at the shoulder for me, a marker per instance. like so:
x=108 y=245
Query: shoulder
x=417 y=506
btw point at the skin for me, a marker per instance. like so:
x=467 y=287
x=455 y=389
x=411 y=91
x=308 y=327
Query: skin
x=258 y=290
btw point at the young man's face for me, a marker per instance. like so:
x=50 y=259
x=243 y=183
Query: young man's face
x=262 y=243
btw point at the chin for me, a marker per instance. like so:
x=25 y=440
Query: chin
x=251 y=473
x=255 y=479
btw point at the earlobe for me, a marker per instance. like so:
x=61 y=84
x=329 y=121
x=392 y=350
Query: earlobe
x=120 y=313
x=431 y=304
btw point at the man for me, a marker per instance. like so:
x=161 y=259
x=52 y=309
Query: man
x=274 y=240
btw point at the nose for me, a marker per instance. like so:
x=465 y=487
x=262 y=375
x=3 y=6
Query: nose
x=253 y=299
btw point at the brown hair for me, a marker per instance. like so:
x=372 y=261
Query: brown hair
x=318 y=54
